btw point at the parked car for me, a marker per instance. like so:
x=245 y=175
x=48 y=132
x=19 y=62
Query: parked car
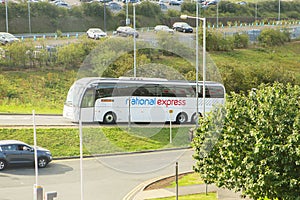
x=6 y=38
x=114 y=6
x=163 y=6
x=242 y=3
x=14 y=152
x=63 y=4
x=126 y=31
x=163 y=28
x=182 y=27
x=95 y=33
x=175 y=2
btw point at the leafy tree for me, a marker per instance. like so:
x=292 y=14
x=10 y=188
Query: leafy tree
x=252 y=144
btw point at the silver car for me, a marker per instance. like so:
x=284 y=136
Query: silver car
x=163 y=28
x=96 y=33
x=6 y=38
x=126 y=31
x=14 y=152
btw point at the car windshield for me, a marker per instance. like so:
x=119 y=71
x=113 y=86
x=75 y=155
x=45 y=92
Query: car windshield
x=98 y=31
x=185 y=25
x=9 y=36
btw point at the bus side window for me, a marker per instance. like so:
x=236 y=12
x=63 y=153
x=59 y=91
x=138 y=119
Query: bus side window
x=88 y=99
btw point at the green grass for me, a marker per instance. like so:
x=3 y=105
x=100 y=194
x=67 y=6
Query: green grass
x=209 y=196
x=43 y=91
x=188 y=179
x=65 y=141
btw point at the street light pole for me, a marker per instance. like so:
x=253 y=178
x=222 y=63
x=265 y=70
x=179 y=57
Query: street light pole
x=127 y=21
x=256 y=10
x=29 y=20
x=134 y=43
x=218 y=14
x=6 y=12
x=197 y=64
x=104 y=17
x=203 y=59
x=278 y=10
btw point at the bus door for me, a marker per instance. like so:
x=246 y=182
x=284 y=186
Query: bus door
x=88 y=106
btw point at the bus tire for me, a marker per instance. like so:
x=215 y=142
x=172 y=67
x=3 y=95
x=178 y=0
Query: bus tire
x=181 y=118
x=194 y=118
x=110 y=118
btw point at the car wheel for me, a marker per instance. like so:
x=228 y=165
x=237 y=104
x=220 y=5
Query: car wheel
x=110 y=118
x=181 y=118
x=183 y=30
x=42 y=162
x=3 y=165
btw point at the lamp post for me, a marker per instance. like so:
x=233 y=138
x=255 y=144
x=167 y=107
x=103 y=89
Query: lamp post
x=6 y=13
x=29 y=20
x=134 y=43
x=127 y=21
x=104 y=15
x=218 y=14
x=255 y=10
x=278 y=10
x=197 y=63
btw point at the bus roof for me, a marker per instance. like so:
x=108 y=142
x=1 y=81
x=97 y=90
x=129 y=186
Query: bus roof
x=96 y=80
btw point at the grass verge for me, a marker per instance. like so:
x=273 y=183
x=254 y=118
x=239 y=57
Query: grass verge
x=65 y=141
x=209 y=196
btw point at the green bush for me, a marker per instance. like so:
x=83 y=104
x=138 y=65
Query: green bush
x=272 y=37
x=241 y=40
x=216 y=41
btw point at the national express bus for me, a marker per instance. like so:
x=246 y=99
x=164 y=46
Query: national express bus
x=124 y=99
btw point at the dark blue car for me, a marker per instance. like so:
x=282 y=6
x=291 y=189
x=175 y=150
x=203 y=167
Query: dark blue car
x=14 y=152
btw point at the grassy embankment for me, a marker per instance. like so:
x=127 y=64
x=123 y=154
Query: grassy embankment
x=45 y=90
x=65 y=142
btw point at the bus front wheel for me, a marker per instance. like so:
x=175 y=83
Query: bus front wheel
x=181 y=118
x=109 y=118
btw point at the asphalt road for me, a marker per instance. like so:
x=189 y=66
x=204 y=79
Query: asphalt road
x=107 y=178
x=40 y=120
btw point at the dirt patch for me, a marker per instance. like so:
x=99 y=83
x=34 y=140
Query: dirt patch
x=163 y=183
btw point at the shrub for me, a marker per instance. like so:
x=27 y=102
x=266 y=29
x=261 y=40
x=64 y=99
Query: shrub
x=241 y=40
x=272 y=37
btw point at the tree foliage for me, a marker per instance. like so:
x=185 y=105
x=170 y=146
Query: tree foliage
x=252 y=144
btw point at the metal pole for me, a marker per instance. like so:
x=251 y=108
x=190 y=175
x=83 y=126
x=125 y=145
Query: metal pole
x=278 y=10
x=81 y=159
x=204 y=63
x=129 y=113
x=176 y=174
x=256 y=10
x=29 y=20
x=134 y=43
x=35 y=150
x=6 y=12
x=197 y=64
x=127 y=20
x=104 y=17
x=170 y=119
x=218 y=14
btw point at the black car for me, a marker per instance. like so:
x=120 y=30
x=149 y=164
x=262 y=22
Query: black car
x=182 y=27
x=14 y=152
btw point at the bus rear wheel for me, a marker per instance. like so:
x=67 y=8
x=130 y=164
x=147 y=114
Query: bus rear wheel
x=181 y=118
x=109 y=118
x=195 y=118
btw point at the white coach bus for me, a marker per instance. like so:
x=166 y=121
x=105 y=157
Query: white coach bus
x=124 y=99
